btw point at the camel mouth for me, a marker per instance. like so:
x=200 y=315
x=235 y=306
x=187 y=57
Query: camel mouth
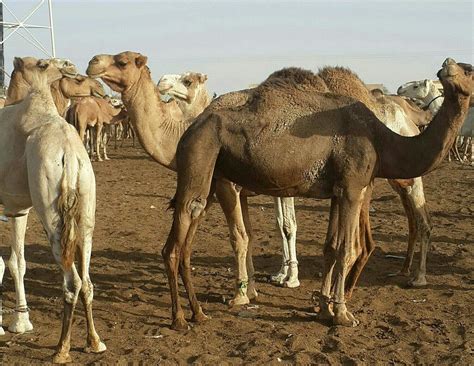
x=69 y=74
x=179 y=94
x=98 y=94
x=95 y=75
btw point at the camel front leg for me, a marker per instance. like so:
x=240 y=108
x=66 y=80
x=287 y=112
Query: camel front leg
x=329 y=255
x=348 y=221
x=365 y=247
x=281 y=276
x=289 y=230
x=229 y=199
x=105 y=136
x=17 y=265
x=252 y=288
x=98 y=139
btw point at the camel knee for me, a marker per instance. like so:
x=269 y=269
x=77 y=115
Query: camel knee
x=71 y=288
x=87 y=290
x=17 y=265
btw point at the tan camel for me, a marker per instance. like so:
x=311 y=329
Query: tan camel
x=159 y=126
x=44 y=165
x=190 y=92
x=70 y=86
x=94 y=113
x=335 y=146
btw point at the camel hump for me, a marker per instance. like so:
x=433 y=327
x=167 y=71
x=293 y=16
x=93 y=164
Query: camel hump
x=343 y=81
x=293 y=77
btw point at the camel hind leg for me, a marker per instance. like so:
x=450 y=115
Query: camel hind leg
x=195 y=170
x=64 y=199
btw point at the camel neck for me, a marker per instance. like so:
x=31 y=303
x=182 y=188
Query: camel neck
x=17 y=90
x=159 y=125
x=410 y=157
x=60 y=100
x=433 y=100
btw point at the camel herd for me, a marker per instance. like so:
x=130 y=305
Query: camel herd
x=297 y=134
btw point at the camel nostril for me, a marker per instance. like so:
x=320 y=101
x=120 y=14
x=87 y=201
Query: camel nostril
x=399 y=90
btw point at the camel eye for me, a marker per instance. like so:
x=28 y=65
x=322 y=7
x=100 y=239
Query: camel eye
x=415 y=87
x=187 y=83
x=42 y=65
x=122 y=63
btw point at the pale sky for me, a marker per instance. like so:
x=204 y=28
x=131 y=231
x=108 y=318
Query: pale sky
x=238 y=43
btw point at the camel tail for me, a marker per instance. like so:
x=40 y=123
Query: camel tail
x=69 y=207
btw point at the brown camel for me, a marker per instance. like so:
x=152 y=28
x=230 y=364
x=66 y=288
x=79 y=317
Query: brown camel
x=71 y=85
x=402 y=119
x=159 y=126
x=334 y=148
x=92 y=112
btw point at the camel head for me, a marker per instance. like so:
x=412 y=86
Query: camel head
x=182 y=86
x=34 y=70
x=416 y=89
x=120 y=72
x=81 y=86
x=68 y=69
x=456 y=78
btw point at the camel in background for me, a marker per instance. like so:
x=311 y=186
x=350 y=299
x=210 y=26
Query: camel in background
x=429 y=97
x=95 y=114
x=192 y=97
x=190 y=92
x=70 y=86
x=44 y=165
x=335 y=147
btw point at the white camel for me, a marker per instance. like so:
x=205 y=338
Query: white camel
x=44 y=165
x=424 y=92
x=427 y=95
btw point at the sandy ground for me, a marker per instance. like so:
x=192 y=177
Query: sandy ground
x=431 y=325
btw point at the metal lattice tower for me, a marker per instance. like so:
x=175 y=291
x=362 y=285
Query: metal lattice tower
x=21 y=27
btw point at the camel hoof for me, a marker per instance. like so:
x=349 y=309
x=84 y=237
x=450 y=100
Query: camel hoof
x=239 y=300
x=62 y=358
x=21 y=323
x=200 y=317
x=180 y=325
x=402 y=273
x=345 y=319
x=418 y=282
x=325 y=314
x=292 y=283
x=252 y=291
x=279 y=278
x=97 y=348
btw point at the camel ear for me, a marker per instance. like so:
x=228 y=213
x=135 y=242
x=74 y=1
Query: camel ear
x=202 y=78
x=426 y=82
x=18 y=63
x=141 y=61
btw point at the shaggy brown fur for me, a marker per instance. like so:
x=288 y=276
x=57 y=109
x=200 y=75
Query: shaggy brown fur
x=334 y=147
